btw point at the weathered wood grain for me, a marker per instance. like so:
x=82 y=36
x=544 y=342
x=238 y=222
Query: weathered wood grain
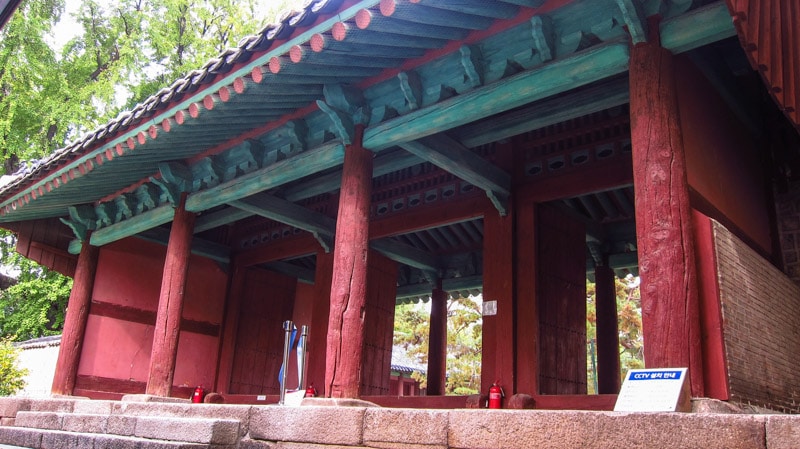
x=170 y=303
x=348 y=289
x=69 y=355
x=670 y=314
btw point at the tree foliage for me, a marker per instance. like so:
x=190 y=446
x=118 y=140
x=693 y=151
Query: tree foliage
x=412 y=327
x=12 y=377
x=629 y=324
x=35 y=305
x=125 y=51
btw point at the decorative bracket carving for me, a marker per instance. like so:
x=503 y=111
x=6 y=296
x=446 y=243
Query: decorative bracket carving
x=472 y=62
x=633 y=16
x=176 y=174
x=411 y=85
x=543 y=37
x=346 y=107
x=82 y=219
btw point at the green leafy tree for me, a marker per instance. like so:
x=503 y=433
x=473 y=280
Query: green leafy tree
x=35 y=305
x=412 y=327
x=629 y=324
x=126 y=51
x=12 y=378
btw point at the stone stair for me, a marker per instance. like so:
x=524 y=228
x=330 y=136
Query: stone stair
x=78 y=424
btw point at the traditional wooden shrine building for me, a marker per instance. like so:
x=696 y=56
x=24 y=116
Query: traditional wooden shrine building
x=360 y=152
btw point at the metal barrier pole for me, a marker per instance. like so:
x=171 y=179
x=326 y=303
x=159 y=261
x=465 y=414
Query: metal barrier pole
x=301 y=358
x=287 y=343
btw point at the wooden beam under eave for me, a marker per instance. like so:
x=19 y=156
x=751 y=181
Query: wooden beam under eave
x=406 y=254
x=593 y=64
x=283 y=211
x=200 y=247
x=696 y=28
x=325 y=156
x=422 y=218
x=451 y=156
x=132 y=226
x=218 y=218
x=286 y=248
x=595 y=98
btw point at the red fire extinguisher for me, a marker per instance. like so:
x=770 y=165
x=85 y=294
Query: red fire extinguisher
x=495 y=396
x=311 y=392
x=197 y=396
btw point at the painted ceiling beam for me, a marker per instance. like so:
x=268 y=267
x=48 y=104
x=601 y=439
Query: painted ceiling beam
x=322 y=227
x=132 y=226
x=696 y=28
x=383 y=164
x=449 y=155
x=594 y=98
x=200 y=247
x=218 y=218
x=691 y=30
x=406 y=254
x=593 y=64
x=325 y=156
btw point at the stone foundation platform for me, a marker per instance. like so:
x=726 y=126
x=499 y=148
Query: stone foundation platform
x=76 y=423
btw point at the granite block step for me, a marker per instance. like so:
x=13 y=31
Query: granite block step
x=53 y=439
x=170 y=428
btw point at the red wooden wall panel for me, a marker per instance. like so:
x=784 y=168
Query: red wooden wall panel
x=562 y=303
x=378 y=325
x=267 y=301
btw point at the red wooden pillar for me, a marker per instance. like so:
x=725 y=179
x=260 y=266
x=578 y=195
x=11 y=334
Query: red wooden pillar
x=344 y=355
x=497 y=355
x=527 y=313
x=227 y=344
x=608 y=375
x=170 y=303
x=319 y=322
x=69 y=355
x=437 y=342
x=670 y=313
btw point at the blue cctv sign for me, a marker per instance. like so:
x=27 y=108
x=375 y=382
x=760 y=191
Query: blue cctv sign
x=655 y=375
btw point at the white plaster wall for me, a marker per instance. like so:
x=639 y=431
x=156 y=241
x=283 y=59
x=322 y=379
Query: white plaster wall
x=40 y=361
